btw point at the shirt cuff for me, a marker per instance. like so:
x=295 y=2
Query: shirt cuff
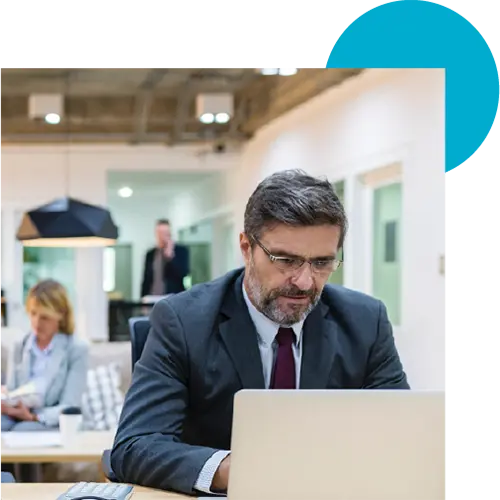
x=40 y=417
x=206 y=476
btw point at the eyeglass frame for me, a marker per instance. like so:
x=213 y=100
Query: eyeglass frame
x=276 y=258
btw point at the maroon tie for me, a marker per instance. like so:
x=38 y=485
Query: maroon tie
x=284 y=368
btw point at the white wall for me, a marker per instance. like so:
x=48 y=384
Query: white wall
x=208 y=199
x=212 y=201
x=32 y=175
x=200 y=233
x=379 y=118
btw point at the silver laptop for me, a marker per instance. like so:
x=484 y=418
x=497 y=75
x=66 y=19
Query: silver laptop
x=338 y=445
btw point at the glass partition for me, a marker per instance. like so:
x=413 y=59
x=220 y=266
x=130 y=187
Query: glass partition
x=44 y=263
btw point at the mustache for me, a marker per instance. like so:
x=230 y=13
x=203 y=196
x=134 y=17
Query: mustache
x=293 y=292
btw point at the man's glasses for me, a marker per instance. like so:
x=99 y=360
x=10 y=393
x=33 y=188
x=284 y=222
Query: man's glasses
x=290 y=264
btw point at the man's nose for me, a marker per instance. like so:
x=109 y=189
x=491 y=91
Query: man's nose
x=303 y=278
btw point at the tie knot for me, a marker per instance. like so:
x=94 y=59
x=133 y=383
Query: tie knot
x=285 y=337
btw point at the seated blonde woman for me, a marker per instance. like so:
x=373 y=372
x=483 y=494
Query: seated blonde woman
x=50 y=358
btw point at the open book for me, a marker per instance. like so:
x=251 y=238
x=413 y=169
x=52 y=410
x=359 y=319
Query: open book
x=27 y=394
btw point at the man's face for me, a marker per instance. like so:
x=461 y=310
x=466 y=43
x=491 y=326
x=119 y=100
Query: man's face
x=287 y=295
x=163 y=235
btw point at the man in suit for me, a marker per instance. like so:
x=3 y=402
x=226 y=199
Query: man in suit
x=276 y=324
x=166 y=265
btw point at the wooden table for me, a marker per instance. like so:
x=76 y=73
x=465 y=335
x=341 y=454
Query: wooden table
x=50 y=491
x=87 y=447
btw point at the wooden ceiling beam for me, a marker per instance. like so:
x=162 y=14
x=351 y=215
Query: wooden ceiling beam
x=143 y=102
x=159 y=107
x=287 y=93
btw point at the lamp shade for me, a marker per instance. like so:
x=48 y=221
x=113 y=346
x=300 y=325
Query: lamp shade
x=66 y=222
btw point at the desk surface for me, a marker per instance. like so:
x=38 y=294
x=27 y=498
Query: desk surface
x=88 y=447
x=50 y=491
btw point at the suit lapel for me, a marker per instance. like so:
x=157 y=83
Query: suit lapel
x=56 y=358
x=320 y=339
x=25 y=362
x=240 y=338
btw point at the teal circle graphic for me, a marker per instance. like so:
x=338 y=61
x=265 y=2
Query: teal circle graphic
x=419 y=34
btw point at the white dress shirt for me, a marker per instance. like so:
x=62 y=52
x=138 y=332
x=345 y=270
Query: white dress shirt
x=39 y=361
x=266 y=337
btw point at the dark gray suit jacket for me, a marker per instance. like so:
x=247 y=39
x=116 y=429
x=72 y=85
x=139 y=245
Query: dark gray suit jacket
x=203 y=348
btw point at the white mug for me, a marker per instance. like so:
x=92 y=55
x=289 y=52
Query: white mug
x=69 y=426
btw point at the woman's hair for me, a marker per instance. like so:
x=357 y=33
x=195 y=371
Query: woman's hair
x=52 y=298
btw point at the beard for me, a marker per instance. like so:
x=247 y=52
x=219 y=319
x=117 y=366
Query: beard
x=266 y=301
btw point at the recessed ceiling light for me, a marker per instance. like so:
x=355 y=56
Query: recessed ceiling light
x=52 y=118
x=269 y=69
x=222 y=117
x=125 y=192
x=207 y=118
x=278 y=69
x=288 y=69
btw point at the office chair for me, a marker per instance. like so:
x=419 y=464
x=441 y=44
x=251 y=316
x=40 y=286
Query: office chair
x=139 y=329
x=7 y=477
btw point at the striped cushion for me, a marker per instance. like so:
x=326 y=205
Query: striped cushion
x=103 y=400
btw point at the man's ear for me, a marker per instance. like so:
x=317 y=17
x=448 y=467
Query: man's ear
x=245 y=247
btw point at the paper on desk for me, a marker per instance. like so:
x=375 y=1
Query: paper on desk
x=31 y=439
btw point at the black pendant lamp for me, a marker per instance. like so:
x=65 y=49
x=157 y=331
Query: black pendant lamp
x=67 y=222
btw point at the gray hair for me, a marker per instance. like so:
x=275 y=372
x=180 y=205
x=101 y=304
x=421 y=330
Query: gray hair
x=295 y=198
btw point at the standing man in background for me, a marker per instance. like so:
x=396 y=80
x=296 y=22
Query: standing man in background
x=166 y=265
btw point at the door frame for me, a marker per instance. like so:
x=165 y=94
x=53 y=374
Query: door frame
x=366 y=184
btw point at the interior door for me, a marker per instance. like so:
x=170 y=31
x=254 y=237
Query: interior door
x=199 y=262
x=387 y=208
x=123 y=271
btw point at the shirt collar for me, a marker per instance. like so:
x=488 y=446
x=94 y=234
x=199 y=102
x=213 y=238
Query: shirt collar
x=266 y=328
x=33 y=346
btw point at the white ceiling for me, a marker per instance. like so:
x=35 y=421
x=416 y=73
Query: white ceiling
x=154 y=183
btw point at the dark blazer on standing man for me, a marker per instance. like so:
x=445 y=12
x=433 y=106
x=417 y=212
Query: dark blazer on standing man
x=174 y=271
x=202 y=349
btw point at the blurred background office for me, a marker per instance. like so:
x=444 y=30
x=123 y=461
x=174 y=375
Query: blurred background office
x=190 y=145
